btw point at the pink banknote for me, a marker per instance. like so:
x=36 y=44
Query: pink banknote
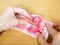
x=30 y=29
x=35 y=23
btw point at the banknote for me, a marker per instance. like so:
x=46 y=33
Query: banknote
x=31 y=24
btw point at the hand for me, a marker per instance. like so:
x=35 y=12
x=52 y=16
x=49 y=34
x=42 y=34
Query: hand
x=20 y=12
x=51 y=31
x=57 y=26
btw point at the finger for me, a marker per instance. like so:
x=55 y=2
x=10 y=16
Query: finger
x=51 y=30
x=58 y=28
x=41 y=39
x=56 y=24
x=29 y=20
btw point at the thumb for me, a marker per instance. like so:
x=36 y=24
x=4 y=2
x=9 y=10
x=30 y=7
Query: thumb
x=51 y=30
x=41 y=39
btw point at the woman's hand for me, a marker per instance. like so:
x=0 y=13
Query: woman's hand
x=51 y=31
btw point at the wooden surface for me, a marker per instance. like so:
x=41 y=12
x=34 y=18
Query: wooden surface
x=49 y=9
x=13 y=37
